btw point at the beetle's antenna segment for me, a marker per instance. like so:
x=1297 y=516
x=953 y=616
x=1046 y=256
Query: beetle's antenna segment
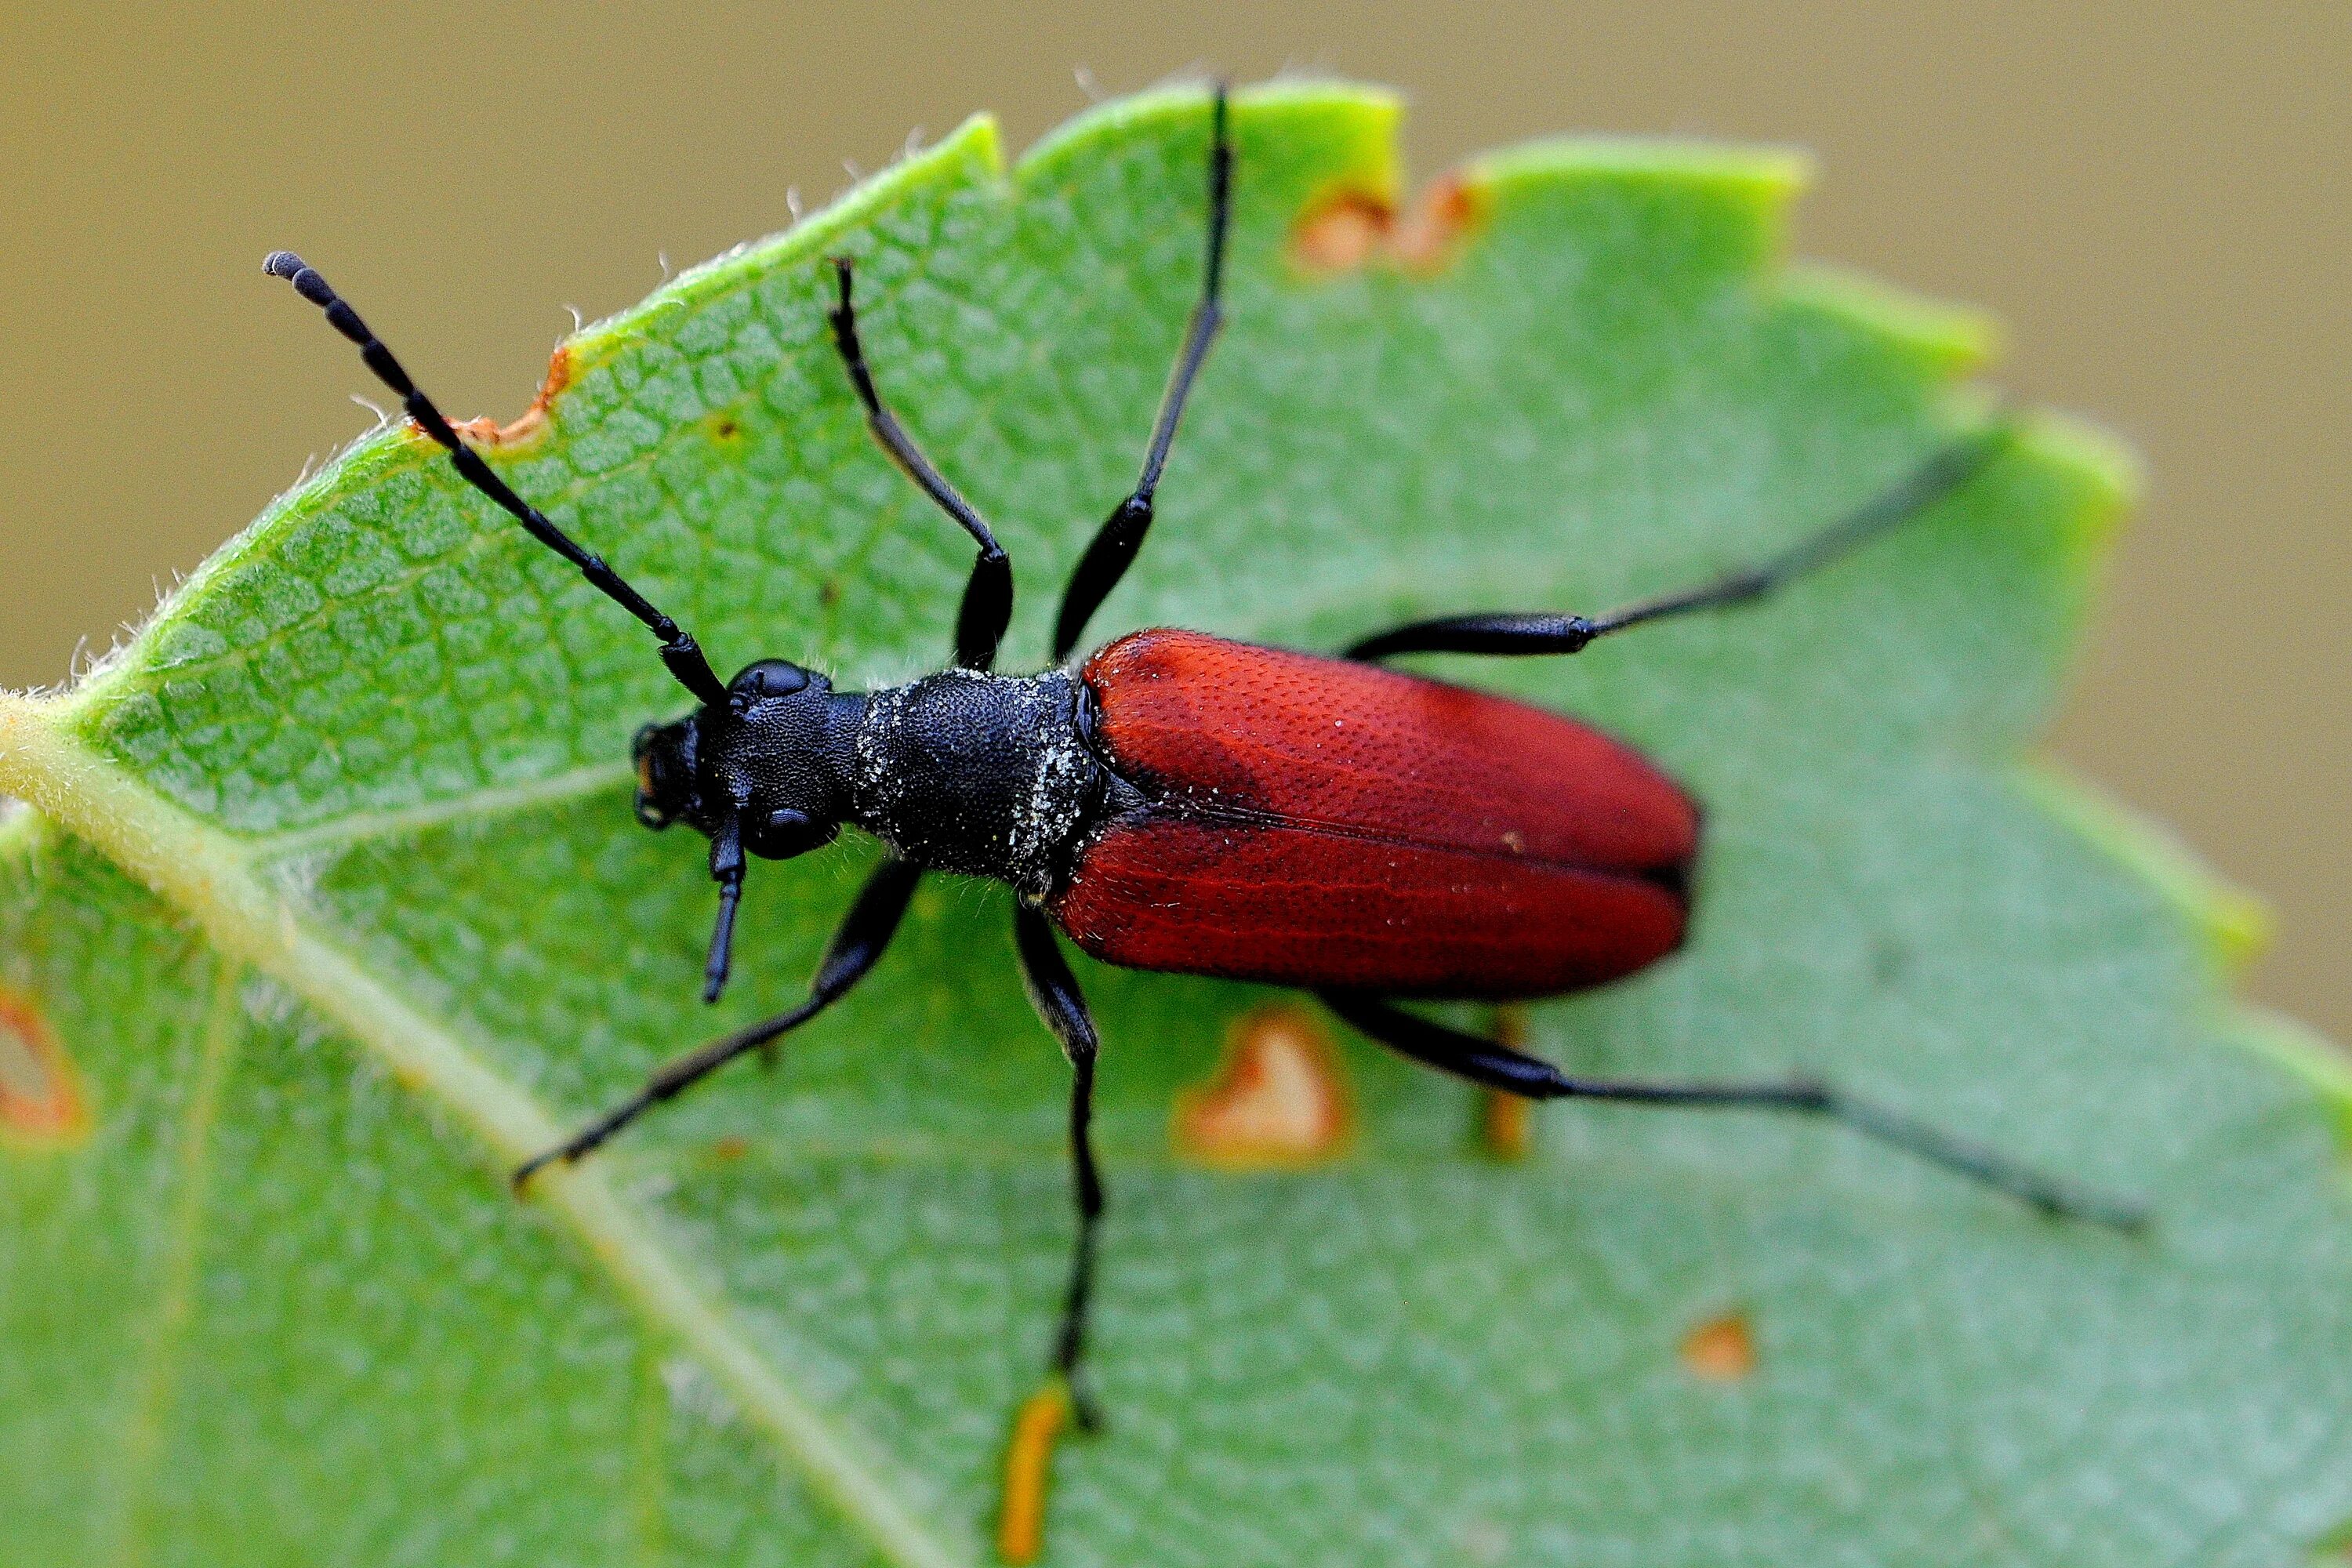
x=679 y=652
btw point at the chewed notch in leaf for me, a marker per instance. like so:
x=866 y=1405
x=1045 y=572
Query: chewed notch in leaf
x=1346 y=229
x=532 y=421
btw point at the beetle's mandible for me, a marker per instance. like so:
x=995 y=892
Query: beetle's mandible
x=1183 y=803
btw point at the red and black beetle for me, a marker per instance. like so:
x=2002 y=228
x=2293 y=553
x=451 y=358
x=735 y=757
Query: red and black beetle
x=1183 y=803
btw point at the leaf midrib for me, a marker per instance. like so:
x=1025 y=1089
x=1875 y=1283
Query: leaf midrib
x=216 y=881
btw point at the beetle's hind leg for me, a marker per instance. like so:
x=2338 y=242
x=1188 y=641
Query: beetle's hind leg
x=1054 y=991
x=1028 y=1460
x=1496 y=1065
x=1509 y=634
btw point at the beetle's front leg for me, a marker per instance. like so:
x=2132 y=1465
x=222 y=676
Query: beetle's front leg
x=866 y=931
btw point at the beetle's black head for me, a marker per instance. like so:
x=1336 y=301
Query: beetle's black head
x=767 y=765
x=764 y=771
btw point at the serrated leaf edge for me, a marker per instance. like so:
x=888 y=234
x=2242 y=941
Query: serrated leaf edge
x=2233 y=925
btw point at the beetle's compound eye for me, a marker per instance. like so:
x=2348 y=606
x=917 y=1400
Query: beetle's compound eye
x=769 y=678
x=664 y=755
x=785 y=832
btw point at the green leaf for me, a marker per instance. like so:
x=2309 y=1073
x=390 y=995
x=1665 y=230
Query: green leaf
x=328 y=907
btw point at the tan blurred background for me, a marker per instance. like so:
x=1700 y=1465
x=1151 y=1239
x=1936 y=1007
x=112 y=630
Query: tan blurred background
x=2154 y=197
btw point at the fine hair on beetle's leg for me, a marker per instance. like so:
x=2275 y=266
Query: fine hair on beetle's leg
x=1506 y=635
x=679 y=652
x=1117 y=542
x=864 y=935
x=1485 y=1062
x=987 y=607
x=1054 y=991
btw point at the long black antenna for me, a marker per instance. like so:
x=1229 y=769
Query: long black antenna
x=679 y=652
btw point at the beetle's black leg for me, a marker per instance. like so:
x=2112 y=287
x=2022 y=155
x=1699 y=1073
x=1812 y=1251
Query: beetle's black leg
x=1496 y=1065
x=679 y=653
x=727 y=870
x=863 y=935
x=1054 y=991
x=987 y=606
x=1507 y=634
x=1122 y=535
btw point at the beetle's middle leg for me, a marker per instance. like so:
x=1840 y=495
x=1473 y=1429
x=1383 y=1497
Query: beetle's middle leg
x=1496 y=1065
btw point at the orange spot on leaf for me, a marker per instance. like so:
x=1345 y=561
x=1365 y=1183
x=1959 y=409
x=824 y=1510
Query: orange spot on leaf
x=730 y=1149
x=40 y=1101
x=488 y=432
x=1277 y=1099
x=1028 y=1467
x=1720 y=1350
x=1349 y=229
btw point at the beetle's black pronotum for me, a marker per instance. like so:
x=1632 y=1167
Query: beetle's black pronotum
x=1183 y=803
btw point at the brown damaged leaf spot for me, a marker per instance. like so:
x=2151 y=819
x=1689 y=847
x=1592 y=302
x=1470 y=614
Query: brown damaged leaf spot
x=1350 y=229
x=39 y=1099
x=1277 y=1100
x=1341 y=232
x=488 y=432
x=1721 y=1350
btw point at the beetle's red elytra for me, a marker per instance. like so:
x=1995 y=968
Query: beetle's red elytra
x=1509 y=852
